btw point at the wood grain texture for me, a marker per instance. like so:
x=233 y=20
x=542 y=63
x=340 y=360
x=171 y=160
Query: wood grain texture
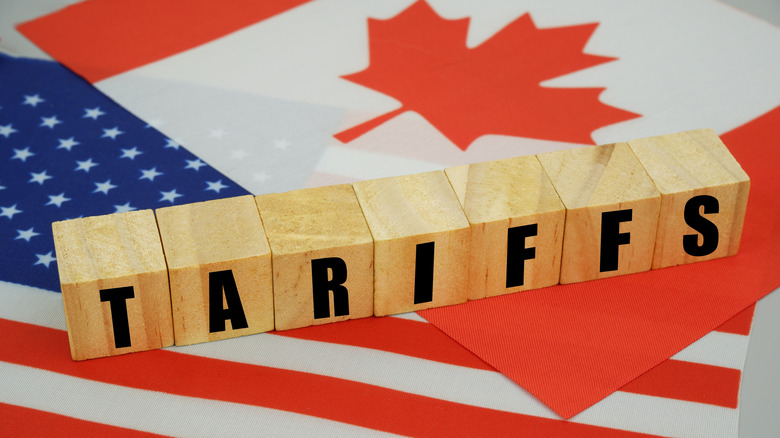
x=105 y=252
x=210 y=237
x=503 y=194
x=403 y=212
x=689 y=164
x=592 y=181
x=312 y=224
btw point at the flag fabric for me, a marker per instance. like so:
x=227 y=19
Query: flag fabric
x=298 y=94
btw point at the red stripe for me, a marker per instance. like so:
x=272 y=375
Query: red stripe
x=689 y=381
x=99 y=39
x=740 y=324
x=396 y=335
x=325 y=397
x=20 y=421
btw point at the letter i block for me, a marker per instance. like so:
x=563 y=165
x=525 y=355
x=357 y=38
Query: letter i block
x=220 y=269
x=704 y=194
x=611 y=211
x=421 y=242
x=114 y=284
x=322 y=256
x=517 y=224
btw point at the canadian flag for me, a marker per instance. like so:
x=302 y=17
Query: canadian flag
x=290 y=94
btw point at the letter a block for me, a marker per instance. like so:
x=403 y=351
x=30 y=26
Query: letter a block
x=516 y=222
x=704 y=194
x=114 y=284
x=611 y=211
x=322 y=256
x=421 y=242
x=220 y=269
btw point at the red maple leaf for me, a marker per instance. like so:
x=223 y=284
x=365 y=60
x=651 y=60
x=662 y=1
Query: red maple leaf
x=422 y=60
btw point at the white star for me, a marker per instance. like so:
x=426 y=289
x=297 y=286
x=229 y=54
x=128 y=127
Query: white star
x=239 y=154
x=92 y=113
x=26 y=234
x=131 y=153
x=150 y=174
x=22 y=154
x=113 y=132
x=2 y=187
x=32 y=100
x=39 y=178
x=44 y=259
x=7 y=130
x=281 y=144
x=194 y=164
x=67 y=143
x=169 y=196
x=57 y=200
x=124 y=208
x=171 y=144
x=216 y=186
x=217 y=133
x=260 y=176
x=104 y=187
x=9 y=212
x=50 y=122
x=85 y=165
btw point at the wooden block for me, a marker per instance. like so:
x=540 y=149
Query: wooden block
x=219 y=265
x=517 y=223
x=611 y=211
x=322 y=256
x=704 y=194
x=114 y=284
x=421 y=242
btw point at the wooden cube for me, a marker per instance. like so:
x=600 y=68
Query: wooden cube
x=322 y=256
x=114 y=284
x=704 y=194
x=612 y=211
x=219 y=264
x=517 y=222
x=421 y=242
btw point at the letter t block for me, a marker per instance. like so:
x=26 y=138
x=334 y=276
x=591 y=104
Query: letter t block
x=114 y=284
x=611 y=211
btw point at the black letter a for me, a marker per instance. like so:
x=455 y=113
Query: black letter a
x=219 y=281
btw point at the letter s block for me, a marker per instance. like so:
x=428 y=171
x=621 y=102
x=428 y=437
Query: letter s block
x=220 y=269
x=323 y=256
x=421 y=242
x=611 y=211
x=704 y=194
x=114 y=284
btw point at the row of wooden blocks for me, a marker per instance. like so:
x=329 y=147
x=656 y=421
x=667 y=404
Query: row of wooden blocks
x=224 y=268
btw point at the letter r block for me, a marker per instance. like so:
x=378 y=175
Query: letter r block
x=421 y=242
x=517 y=224
x=688 y=168
x=322 y=253
x=220 y=269
x=612 y=211
x=114 y=284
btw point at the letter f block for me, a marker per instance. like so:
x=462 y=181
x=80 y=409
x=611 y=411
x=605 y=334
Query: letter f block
x=704 y=194
x=612 y=211
x=220 y=269
x=323 y=256
x=114 y=284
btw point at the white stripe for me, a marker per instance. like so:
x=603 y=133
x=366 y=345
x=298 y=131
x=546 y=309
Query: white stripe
x=661 y=416
x=362 y=165
x=719 y=349
x=157 y=412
